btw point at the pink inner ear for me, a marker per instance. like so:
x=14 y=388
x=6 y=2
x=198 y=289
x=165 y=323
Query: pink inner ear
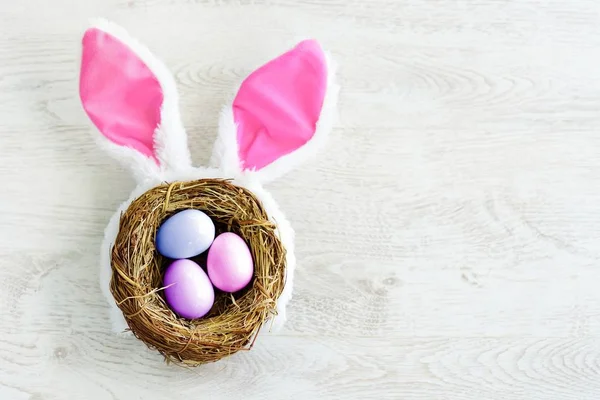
x=119 y=92
x=278 y=105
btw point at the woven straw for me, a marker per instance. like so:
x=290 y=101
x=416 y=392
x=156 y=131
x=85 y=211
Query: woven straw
x=137 y=271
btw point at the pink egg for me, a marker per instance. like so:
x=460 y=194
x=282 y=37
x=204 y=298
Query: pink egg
x=189 y=292
x=229 y=262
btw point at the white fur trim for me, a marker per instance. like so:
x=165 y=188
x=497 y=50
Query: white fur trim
x=225 y=150
x=285 y=232
x=225 y=154
x=286 y=235
x=170 y=138
x=117 y=320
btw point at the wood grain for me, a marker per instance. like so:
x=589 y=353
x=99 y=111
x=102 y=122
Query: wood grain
x=447 y=238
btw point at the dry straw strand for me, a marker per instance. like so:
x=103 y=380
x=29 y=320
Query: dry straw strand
x=137 y=268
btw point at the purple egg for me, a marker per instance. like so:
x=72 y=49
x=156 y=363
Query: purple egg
x=189 y=292
x=185 y=234
x=229 y=263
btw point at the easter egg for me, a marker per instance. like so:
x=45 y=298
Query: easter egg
x=229 y=262
x=185 y=234
x=188 y=291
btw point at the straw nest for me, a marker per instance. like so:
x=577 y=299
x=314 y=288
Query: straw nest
x=137 y=271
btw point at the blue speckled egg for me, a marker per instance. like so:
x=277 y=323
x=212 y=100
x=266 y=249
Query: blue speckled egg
x=185 y=234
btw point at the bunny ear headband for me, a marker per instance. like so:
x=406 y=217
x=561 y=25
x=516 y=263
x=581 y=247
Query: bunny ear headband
x=280 y=114
x=281 y=111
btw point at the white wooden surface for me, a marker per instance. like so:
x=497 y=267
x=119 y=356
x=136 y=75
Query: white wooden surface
x=448 y=238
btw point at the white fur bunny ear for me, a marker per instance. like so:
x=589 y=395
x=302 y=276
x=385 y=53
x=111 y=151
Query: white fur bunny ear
x=132 y=99
x=280 y=115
